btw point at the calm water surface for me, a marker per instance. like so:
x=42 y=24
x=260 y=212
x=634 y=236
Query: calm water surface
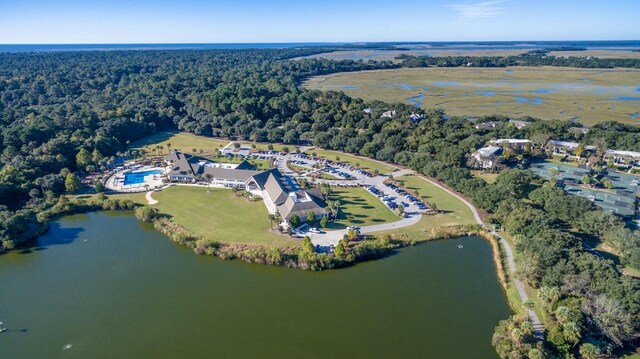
x=103 y=285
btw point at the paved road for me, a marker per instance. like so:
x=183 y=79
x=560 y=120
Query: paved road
x=412 y=212
x=377 y=181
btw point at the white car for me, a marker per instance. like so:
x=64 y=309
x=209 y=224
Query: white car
x=314 y=230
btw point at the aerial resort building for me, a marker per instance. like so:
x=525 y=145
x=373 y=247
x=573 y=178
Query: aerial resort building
x=280 y=193
x=187 y=168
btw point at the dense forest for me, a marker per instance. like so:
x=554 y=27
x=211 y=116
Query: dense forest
x=531 y=58
x=63 y=112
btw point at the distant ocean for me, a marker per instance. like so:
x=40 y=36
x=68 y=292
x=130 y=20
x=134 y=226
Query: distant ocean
x=113 y=47
x=496 y=45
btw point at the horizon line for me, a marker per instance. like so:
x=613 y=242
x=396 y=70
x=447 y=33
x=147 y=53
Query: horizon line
x=318 y=42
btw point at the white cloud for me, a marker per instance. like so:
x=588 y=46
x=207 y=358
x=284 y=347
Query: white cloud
x=479 y=10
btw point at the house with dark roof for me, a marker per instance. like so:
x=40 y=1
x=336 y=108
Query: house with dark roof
x=281 y=194
x=188 y=168
x=301 y=203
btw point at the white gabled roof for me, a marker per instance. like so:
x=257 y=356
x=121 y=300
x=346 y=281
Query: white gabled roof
x=624 y=153
x=570 y=144
x=510 y=140
x=488 y=151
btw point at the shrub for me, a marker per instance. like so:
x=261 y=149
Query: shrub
x=146 y=214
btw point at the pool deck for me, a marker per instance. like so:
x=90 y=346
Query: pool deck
x=115 y=183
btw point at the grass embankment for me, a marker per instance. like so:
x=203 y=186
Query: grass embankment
x=487 y=176
x=589 y=95
x=453 y=211
x=357 y=161
x=219 y=216
x=359 y=208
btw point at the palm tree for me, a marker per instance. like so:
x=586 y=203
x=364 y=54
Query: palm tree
x=234 y=190
x=168 y=147
x=272 y=218
x=528 y=305
x=208 y=177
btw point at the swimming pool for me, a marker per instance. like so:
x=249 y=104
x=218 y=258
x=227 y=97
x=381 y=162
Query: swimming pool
x=138 y=177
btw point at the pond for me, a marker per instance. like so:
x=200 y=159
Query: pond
x=102 y=285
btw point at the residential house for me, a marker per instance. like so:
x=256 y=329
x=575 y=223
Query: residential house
x=623 y=158
x=519 y=124
x=416 y=117
x=515 y=143
x=487 y=157
x=487 y=125
x=568 y=149
x=389 y=114
x=579 y=130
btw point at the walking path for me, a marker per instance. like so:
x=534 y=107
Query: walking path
x=533 y=317
x=413 y=216
x=150 y=200
x=377 y=181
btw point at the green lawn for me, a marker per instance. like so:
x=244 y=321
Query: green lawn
x=135 y=197
x=361 y=162
x=182 y=141
x=489 y=177
x=455 y=212
x=359 y=208
x=260 y=164
x=219 y=215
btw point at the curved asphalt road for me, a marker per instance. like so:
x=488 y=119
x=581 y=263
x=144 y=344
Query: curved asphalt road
x=412 y=219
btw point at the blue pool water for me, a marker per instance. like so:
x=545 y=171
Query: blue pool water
x=627 y=98
x=138 y=177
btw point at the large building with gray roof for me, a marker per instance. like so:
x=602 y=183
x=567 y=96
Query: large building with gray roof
x=280 y=193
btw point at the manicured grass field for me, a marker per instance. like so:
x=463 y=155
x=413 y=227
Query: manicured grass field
x=182 y=141
x=587 y=95
x=219 y=215
x=489 y=177
x=455 y=212
x=360 y=208
x=360 y=162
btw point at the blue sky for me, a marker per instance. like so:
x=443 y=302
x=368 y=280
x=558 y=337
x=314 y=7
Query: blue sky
x=213 y=21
